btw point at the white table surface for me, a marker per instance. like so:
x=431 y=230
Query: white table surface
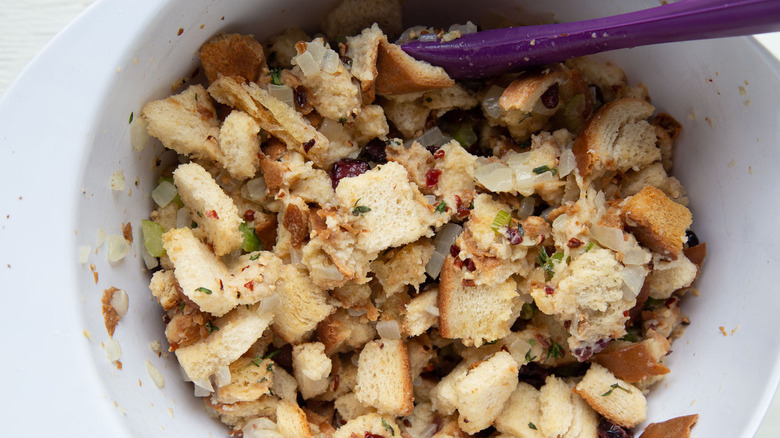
x=27 y=25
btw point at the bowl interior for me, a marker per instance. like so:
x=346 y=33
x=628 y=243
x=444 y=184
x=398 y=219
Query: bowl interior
x=724 y=92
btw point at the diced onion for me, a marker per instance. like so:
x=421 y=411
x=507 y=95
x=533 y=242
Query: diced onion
x=101 y=237
x=388 y=330
x=222 y=376
x=566 y=163
x=527 y=206
x=164 y=193
x=356 y=312
x=469 y=27
x=183 y=218
x=495 y=176
x=117 y=181
x=609 y=237
x=431 y=199
x=433 y=268
x=118 y=248
x=204 y=384
x=269 y=305
x=490 y=102
x=636 y=256
x=200 y=392
x=560 y=222
x=282 y=93
x=442 y=243
x=433 y=310
x=429 y=431
x=543 y=178
x=139 y=137
x=296 y=256
x=330 y=272
x=261 y=427
x=119 y=302
x=428 y=37
x=113 y=350
x=155 y=374
x=255 y=189
x=84 y=253
x=330 y=62
x=431 y=137
x=634 y=278
x=317 y=50
x=308 y=65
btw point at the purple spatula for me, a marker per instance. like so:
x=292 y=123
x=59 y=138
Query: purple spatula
x=493 y=52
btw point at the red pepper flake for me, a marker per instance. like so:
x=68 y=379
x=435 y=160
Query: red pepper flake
x=454 y=250
x=574 y=243
x=470 y=265
x=336 y=382
x=432 y=177
x=461 y=210
x=212 y=214
x=251 y=286
x=249 y=215
x=308 y=145
x=439 y=153
x=549 y=290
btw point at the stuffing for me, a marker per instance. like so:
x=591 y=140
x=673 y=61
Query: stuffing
x=311 y=368
x=403 y=267
x=384 y=377
x=615 y=399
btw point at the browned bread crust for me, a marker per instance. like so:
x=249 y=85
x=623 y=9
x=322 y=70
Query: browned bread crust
x=657 y=222
x=399 y=73
x=232 y=55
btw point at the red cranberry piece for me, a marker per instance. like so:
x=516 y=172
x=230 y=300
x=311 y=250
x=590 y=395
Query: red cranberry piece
x=374 y=151
x=515 y=237
x=454 y=250
x=470 y=265
x=608 y=429
x=249 y=215
x=347 y=168
x=550 y=97
x=432 y=177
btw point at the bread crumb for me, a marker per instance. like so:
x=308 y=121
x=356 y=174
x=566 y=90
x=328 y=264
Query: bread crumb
x=87 y=334
x=723 y=330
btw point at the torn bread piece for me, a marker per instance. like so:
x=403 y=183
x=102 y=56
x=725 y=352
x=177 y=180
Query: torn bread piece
x=617 y=400
x=291 y=421
x=557 y=410
x=232 y=55
x=658 y=222
x=311 y=368
x=373 y=425
x=399 y=268
x=215 y=212
x=186 y=122
x=303 y=305
x=399 y=73
x=363 y=50
x=341 y=332
x=240 y=145
x=521 y=416
x=384 y=378
x=679 y=427
x=422 y=313
x=250 y=379
x=483 y=391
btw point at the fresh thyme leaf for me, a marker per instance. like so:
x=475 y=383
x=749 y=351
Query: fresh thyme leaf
x=441 y=207
x=491 y=342
x=276 y=74
x=359 y=210
x=532 y=426
x=547 y=262
x=388 y=427
x=590 y=246
x=131 y=118
x=259 y=359
x=555 y=350
x=613 y=387
x=541 y=169
x=528 y=357
x=250 y=242
x=342 y=120
x=255 y=257
x=204 y=290
x=211 y=327
x=653 y=303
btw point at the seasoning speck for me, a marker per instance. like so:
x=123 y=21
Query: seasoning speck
x=181 y=31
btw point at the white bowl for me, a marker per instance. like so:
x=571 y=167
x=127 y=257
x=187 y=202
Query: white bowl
x=64 y=130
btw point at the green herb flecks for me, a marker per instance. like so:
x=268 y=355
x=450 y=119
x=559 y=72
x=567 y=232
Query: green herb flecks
x=131 y=118
x=251 y=242
x=259 y=359
x=653 y=303
x=590 y=246
x=255 y=256
x=342 y=120
x=547 y=262
x=276 y=76
x=528 y=310
x=532 y=426
x=359 y=210
x=204 y=290
x=211 y=327
x=633 y=334
x=541 y=169
x=528 y=357
x=441 y=207
x=555 y=350
x=388 y=427
x=613 y=387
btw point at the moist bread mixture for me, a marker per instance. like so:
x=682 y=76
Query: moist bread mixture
x=352 y=244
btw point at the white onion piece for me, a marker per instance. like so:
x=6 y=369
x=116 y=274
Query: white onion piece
x=308 y=65
x=495 y=176
x=155 y=375
x=282 y=93
x=139 y=137
x=431 y=137
x=431 y=199
x=543 y=178
x=101 y=237
x=204 y=384
x=634 y=278
x=119 y=302
x=433 y=267
x=356 y=312
x=433 y=310
x=255 y=189
x=118 y=248
x=117 y=181
x=469 y=27
x=388 y=330
x=560 y=222
x=113 y=349
x=200 y=392
x=331 y=129
x=636 y=256
x=84 y=254
x=150 y=261
x=317 y=50
x=296 y=256
x=330 y=272
x=428 y=37
x=526 y=209
x=410 y=34
x=490 y=102
x=183 y=218
x=566 y=163
x=164 y=193
x=446 y=237
x=520 y=160
x=269 y=305
x=609 y=237
x=330 y=62
x=222 y=376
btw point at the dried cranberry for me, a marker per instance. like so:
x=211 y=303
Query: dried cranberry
x=574 y=243
x=439 y=153
x=461 y=210
x=249 y=215
x=432 y=177
x=433 y=149
x=454 y=250
x=300 y=97
x=458 y=263
x=347 y=168
x=550 y=97
x=549 y=290
x=308 y=145
x=533 y=374
x=608 y=429
x=470 y=265
x=691 y=238
x=515 y=237
x=374 y=151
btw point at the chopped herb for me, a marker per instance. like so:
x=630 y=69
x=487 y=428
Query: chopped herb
x=259 y=359
x=525 y=116
x=548 y=262
x=555 y=350
x=528 y=310
x=262 y=380
x=200 y=214
x=342 y=120
x=653 y=303
x=181 y=308
x=276 y=74
x=204 y=290
x=541 y=169
x=131 y=117
x=471 y=205
x=388 y=427
x=270 y=367
x=633 y=334
x=491 y=342
x=532 y=426
x=251 y=242
x=441 y=207
x=590 y=246
x=502 y=219
x=194 y=225
x=568 y=260
x=359 y=210
x=525 y=144
x=255 y=256
x=428 y=99
x=613 y=387
x=528 y=357
x=211 y=327
x=270 y=391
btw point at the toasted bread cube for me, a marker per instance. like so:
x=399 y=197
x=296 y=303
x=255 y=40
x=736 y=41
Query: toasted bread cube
x=352 y=16
x=521 y=416
x=341 y=332
x=399 y=73
x=585 y=421
x=349 y=407
x=238 y=330
x=374 y=425
x=484 y=390
x=302 y=307
x=658 y=222
x=384 y=378
x=363 y=50
x=240 y=145
x=291 y=421
x=240 y=413
x=232 y=55
x=420 y=315
x=557 y=410
x=405 y=266
x=670 y=276
x=311 y=368
x=186 y=123
x=615 y=399
x=284 y=384
x=679 y=427
x=215 y=212
x=163 y=287
x=250 y=379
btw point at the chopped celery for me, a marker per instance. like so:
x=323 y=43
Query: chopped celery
x=251 y=241
x=153 y=237
x=465 y=135
x=502 y=219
